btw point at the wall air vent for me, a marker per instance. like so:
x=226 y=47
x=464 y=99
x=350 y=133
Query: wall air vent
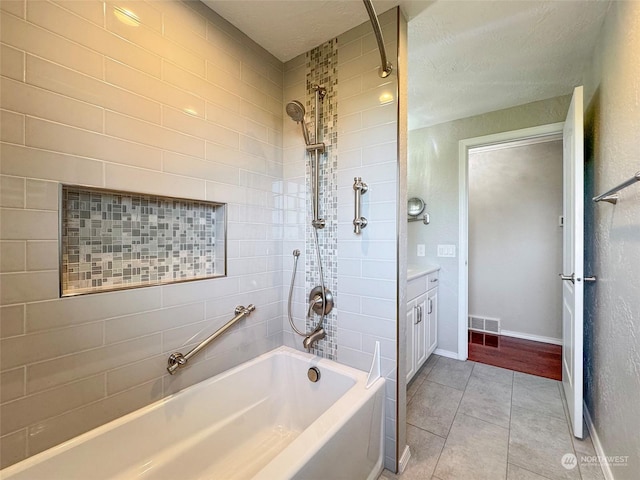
x=484 y=324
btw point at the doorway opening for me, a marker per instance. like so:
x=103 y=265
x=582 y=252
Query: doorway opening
x=511 y=250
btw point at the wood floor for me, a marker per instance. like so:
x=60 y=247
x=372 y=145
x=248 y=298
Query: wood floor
x=535 y=358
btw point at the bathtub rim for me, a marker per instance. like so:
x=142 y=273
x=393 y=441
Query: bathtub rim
x=359 y=377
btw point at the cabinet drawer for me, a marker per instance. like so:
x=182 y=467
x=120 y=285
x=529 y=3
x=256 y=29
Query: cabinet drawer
x=416 y=287
x=432 y=280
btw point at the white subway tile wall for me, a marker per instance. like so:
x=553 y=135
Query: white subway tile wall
x=294 y=193
x=114 y=240
x=367 y=263
x=182 y=105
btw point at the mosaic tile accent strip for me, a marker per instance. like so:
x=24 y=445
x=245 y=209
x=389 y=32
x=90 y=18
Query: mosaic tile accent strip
x=321 y=69
x=114 y=240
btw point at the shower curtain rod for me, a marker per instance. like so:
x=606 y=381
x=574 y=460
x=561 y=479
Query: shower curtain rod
x=385 y=67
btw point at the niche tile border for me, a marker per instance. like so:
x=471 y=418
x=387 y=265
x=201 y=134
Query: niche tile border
x=115 y=240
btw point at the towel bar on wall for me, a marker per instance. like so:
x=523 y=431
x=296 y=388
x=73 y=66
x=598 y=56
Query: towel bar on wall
x=611 y=196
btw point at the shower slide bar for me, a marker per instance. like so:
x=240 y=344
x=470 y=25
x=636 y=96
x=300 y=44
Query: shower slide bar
x=359 y=189
x=178 y=360
x=611 y=196
x=385 y=68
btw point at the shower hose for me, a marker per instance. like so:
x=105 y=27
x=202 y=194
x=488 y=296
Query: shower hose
x=296 y=254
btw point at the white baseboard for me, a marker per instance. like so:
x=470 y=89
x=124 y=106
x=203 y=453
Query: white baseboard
x=606 y=469
x=446 y=353
x=404 y=459
x=528 y=336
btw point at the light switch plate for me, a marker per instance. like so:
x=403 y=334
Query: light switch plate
x=446 y=250
x=420 y=252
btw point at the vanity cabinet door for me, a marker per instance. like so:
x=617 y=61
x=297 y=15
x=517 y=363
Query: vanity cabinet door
x=411 y=362
x=432 y=313
x=421 y=330
x=422 y=321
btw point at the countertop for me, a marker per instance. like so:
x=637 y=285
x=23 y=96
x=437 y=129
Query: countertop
x=414 y=271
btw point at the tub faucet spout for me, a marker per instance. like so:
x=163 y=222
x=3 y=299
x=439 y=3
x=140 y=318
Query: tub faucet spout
x=318 y=334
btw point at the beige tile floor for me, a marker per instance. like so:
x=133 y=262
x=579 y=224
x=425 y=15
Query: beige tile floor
x=468 y=420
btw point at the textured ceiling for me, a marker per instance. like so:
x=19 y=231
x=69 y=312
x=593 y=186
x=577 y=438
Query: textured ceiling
x=465 y=57
x=471 y=57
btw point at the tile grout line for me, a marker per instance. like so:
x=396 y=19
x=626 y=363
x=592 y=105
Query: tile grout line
x=510 y=416
x=512 y=380
x=454 y=416
x=435 y=466
x=479 y=417
x=566 y=417
x=565 y=409
x=425 y=430
x=409 y=401
x=508 y=452
x=535 y=473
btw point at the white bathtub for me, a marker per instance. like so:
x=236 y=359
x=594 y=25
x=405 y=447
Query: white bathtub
x=261 y=420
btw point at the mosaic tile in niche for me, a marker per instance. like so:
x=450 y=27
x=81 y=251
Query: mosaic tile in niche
x=113 y=240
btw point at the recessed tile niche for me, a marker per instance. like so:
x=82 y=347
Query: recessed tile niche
x=111 y=240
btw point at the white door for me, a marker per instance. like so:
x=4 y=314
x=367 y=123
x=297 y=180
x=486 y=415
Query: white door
x=572 y=261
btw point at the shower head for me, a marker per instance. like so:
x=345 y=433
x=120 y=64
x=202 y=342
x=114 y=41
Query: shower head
x=296 y=111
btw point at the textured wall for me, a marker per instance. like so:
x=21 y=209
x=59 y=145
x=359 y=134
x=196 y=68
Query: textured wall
x=433 y=175
x=515 y=240
x=183 y=105
x=612 y=239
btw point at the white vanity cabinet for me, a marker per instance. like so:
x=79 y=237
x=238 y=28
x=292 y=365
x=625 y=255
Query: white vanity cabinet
x=422 y=318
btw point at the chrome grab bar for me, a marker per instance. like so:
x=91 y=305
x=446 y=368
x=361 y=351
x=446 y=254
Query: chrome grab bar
x=611 y=196
x=178 y=360
x=360 y=188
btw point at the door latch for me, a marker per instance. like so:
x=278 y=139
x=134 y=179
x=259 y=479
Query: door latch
x=571 y=278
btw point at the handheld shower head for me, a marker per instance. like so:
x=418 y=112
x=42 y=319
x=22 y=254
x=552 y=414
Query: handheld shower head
x=295 y=110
